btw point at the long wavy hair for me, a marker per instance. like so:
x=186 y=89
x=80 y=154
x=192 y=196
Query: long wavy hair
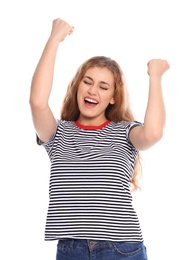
x=119 y=111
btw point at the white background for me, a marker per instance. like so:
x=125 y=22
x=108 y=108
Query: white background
x=131 y=32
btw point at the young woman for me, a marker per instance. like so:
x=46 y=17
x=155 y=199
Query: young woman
x=94 y=154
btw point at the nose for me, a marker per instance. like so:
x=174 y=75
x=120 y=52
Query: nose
x=92 y=90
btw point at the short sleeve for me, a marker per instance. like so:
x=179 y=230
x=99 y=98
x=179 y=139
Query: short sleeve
x=48 y=145
x=130 y=126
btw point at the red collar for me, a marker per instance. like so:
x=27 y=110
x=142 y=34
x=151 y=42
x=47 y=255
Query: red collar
x=92 y=127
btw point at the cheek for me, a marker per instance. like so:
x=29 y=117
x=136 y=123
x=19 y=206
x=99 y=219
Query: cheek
x=108 y=98
x=107 y=101
x=81 y=90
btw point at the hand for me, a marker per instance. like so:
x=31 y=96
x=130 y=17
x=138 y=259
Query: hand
x=60 y=29
x=157 y=67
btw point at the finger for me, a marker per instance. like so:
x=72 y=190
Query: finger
x=71 y=30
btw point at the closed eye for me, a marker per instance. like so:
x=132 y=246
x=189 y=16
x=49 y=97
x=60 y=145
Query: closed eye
x=105 y=88
x=87 y=82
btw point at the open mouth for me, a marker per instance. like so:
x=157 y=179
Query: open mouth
x=89 y=102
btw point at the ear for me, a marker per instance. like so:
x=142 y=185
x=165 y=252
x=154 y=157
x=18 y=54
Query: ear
x=112 y=101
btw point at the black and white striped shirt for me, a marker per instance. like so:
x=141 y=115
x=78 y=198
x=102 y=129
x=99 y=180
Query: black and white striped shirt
x=90 y=178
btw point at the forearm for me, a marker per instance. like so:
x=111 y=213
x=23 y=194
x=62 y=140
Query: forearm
x=43 y=76
x=155 y=115
x=149 y=134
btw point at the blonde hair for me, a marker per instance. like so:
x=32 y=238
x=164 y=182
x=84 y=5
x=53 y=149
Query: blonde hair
x=120 y=111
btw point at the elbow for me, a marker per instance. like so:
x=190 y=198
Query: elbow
x=155 y=136
x=36 y=102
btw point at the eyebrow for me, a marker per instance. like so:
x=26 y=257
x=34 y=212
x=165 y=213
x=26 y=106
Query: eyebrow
x=103 y=82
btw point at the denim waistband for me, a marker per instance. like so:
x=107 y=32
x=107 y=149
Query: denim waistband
x=86 y=242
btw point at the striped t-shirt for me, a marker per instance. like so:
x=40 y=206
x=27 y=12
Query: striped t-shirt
x=90 y=179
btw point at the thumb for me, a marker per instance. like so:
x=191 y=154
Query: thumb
x=71 y=30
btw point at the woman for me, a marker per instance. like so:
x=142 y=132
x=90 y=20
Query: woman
x=94 y=154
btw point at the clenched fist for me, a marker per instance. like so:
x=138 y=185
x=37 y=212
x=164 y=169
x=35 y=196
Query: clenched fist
x=157 y=67
x=60 y=29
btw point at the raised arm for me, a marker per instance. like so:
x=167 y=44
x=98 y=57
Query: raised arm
x=143 y=137
x=43 y=118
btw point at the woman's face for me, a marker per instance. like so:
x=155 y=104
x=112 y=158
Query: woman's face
x=95 y=93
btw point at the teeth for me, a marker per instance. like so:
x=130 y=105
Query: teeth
x=91 y=100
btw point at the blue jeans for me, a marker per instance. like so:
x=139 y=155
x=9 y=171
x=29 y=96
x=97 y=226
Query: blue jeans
x=83 y=249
